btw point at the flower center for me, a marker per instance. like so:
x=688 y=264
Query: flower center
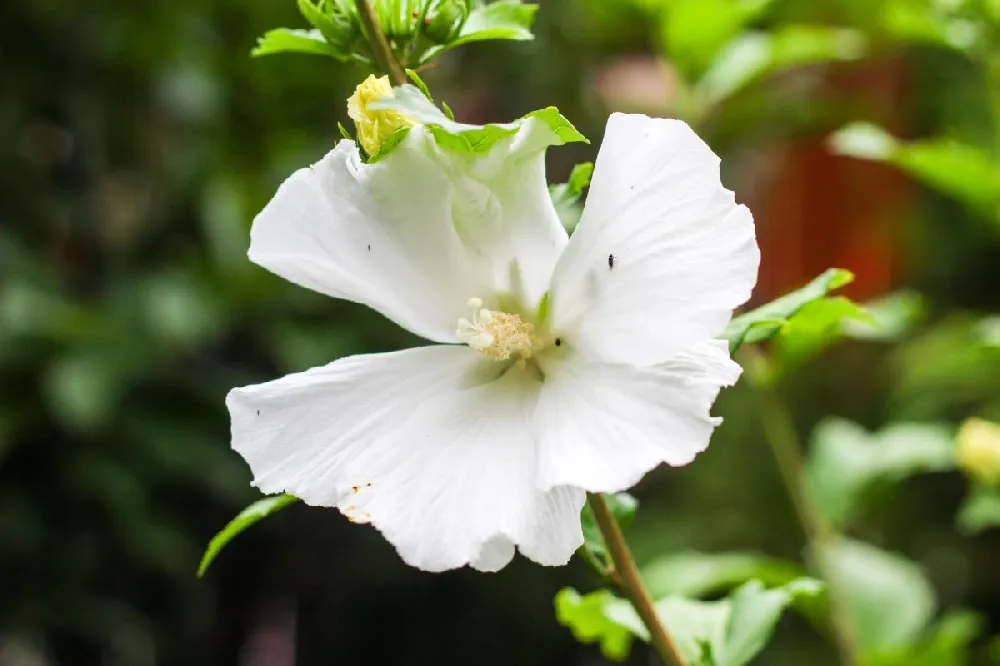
x=497 y=334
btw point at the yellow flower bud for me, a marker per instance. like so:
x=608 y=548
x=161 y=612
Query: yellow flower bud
x=375 y=125
x=979 y=450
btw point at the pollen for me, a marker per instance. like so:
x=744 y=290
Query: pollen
x=499 y=335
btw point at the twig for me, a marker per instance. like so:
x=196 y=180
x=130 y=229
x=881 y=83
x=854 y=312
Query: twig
x=631 y=584
x=384 y=57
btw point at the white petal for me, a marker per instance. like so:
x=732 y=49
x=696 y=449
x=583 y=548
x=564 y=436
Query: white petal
x=602 y=426
x=503 y=209
x=418 y=233
x=662 y=253
x=420 y=443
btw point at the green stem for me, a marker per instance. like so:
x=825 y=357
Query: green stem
x=630 y=584
x=381 y=50
x=786 y=448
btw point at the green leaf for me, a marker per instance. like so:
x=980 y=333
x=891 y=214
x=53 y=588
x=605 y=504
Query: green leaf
x=946 y=644
x=506 y=19
x=980 y=511
x=247 y=517
x=344 y=133
x=964 y=172
x=892 y=317
x=471 y=139
x=815 y=325
x=566 y=196
x=585 y=618
x=755 y=55
x=728 y=632
x=694 y=31
x=929 y=22
x=694 y=574
x=387 y=146
x=449 y=114
x=286 y=40
x=847 y=462
x=623 y=508
x=419 y=83
x=887 y=597
x=768 y=320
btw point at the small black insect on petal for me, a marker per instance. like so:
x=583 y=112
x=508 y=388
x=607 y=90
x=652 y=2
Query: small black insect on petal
x=558 y=342
x=369 y=248
x=611 y=262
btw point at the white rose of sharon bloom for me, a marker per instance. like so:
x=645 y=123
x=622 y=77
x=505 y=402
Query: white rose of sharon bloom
x=563 y=365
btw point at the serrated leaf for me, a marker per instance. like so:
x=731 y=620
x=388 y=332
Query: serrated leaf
x=506 y=19
x=755 y=55
x=847 y=462
x=465 y=138
x=247 y=517
x=767 y=320
x=965 y=172
x=623 y=508
x=585 y=618
x=887 y=597
x=287 y=40
x=980 y=511
x=693 y=574
x=728 y=632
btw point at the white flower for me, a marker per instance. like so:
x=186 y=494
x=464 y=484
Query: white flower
x=586 y=362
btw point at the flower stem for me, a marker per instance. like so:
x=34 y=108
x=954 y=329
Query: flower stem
x=384 y=57
x=630 y=584
x=779 y=430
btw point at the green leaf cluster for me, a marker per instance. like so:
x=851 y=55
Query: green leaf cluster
x=417 y=30
x=847 y=464
x=727 y=632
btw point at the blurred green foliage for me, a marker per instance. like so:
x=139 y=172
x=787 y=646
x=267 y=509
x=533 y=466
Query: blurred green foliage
x=138 y=141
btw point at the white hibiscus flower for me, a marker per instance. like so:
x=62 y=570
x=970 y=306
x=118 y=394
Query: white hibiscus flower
x=562 y=365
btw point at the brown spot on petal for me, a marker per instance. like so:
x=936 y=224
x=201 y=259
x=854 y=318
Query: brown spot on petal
x=356 y=515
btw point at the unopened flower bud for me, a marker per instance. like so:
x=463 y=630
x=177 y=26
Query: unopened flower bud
x=979 y=450
x=444 y=19
x=375 y=126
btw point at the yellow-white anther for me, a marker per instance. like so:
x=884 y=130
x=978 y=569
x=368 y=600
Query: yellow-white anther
x=497 y=334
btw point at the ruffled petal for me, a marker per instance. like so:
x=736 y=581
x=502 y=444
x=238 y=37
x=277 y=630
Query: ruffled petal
x=419 y=232
x=662 y=254
x=426 y=444
x=602 y=426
